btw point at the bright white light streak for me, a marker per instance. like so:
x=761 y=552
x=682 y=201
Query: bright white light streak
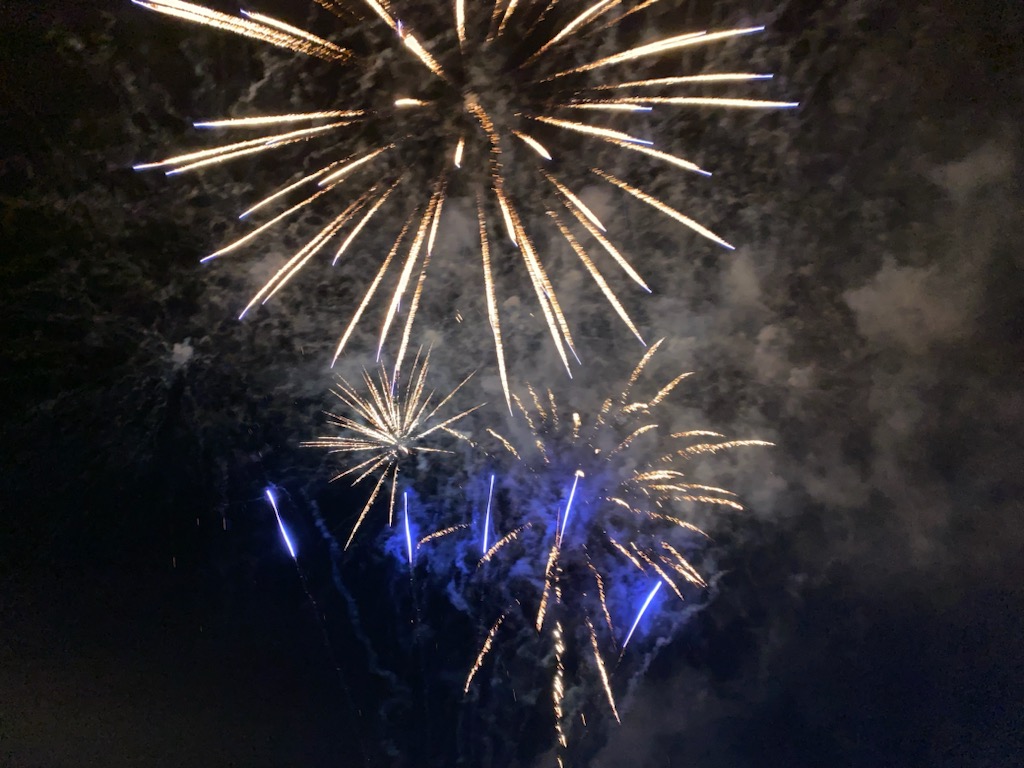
x=354 y=164
x=423 y=55
x=611 y=107
x=661 y=46
x=410 y=103
x=591 y=130
x=458 y=151
x=460 y=20
x=640 y=615
x=408 y=535
x=714 y=101
x=296 y=32
x=724 y=77
x=266 y=225
x=568 y=504
x=534 y=144
x=250 y=122
x=487 y=516
x=284 y=191
x=280 y=523
x=362 y=223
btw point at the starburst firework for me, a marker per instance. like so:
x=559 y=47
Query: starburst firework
x=385 y=424
x=497 y=86
x=598 y=509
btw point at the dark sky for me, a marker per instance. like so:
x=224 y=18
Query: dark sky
x=868 y=605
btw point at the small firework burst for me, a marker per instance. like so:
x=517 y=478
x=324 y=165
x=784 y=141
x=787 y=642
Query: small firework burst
x=385 y=424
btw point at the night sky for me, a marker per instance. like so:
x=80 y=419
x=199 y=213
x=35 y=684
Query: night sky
x=868 y=605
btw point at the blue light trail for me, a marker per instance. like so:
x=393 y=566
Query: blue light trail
x=487 y=516
x=640 y=615
x=568 y=504
x=408 y=535
x=280 y=524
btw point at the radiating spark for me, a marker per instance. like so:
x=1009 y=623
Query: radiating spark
x=460 y=22
x=509 y=10
x=599 y=580
x=297 y=33
x=441 y=534
x=368 y=296
x=571 y=27
x=381 y=11
x=362 y=223
x=459 y=149
x=685 y=569
x=598 y=278
x=548 y=574
x=349 y=167
x=533 y=144
x=492 y=305
x=609 y=106
x=423 y=55
x=304 y=43
x=508 y=446
x=696 y=450
x=605 y=682
x=657 y=569
x=488 y=642
x=284 y=191
x=250 y=122
x=558 y=685
x=723 y=77
x=406 y=274
x=303 y=255
x=660 y=206
x=579 y=204
x=662 y=46
x=500 y=544
x=189 y=159
x=640 y=614
x=590 y=130
x=701 y=101
x=264 y=227
x=410 y=103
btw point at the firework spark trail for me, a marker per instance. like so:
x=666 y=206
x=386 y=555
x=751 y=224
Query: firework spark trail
x=508 y=538
x=570 y=34
x=270 y=31
x=605 y=682
x=441 y=534
x=389 y=424
x=488 y=642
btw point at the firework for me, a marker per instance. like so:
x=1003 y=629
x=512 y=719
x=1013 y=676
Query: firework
x=599 y=507
x=509 y=77
x=280 y=523
x=384 y=425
